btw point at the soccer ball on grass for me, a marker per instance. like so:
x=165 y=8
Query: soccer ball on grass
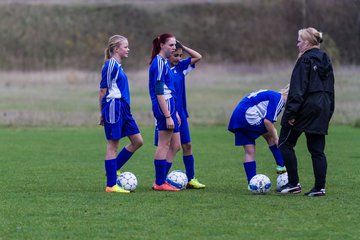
x=128 y=181
x=260 y=184
x=177 y=178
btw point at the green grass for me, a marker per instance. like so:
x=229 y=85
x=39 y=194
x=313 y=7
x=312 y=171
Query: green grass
x=52 y=187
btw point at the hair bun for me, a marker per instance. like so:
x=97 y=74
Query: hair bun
x=320 y=38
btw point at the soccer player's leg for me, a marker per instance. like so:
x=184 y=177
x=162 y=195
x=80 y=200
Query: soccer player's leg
x=129 y=129
x=173 y=149
x=160 y=162
x=243 y=138
x=280 y=166
x=113 y=135
x=188 y=157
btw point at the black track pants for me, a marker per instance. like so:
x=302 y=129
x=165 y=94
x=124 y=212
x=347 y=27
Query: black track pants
x=315 y=144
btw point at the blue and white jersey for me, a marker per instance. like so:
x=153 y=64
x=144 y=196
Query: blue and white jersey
x=179 y=72
x=115 y=80
x=160 y=80
x=255 y=107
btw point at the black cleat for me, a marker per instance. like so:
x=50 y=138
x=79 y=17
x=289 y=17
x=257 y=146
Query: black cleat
x=288 y=188
x=315 y=192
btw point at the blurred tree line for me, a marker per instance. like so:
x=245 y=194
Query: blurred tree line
x=38 y=37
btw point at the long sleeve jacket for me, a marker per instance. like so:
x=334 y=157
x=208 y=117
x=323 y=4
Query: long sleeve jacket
x=311 y=95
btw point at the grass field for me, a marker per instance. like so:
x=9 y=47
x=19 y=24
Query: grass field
x=52 y=187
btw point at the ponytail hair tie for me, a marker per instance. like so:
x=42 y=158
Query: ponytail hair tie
x=319 y=39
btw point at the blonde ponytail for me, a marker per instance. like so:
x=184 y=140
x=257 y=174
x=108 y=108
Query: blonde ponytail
x=107 y=54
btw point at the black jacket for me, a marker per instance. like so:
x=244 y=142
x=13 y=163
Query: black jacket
x=311 y=95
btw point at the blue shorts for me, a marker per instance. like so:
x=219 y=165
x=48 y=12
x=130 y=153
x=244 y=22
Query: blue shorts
x=184 y=133
x=246 y=136
x=124 y=124
x=160 y=120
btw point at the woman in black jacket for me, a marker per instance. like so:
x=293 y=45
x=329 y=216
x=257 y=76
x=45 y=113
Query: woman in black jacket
x=309 y=108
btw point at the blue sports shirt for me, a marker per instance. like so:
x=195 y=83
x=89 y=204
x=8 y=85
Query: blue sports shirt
x=115 y=80
x=179 y=72
x=160 y=80
x=255 y=107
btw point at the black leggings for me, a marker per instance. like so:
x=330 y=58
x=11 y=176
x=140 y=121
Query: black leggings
x=315 y=144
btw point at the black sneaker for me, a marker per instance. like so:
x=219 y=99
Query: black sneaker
x=315 y=192
x=288 y=188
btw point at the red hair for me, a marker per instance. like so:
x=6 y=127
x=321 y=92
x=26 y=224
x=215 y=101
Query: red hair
x=156 y=44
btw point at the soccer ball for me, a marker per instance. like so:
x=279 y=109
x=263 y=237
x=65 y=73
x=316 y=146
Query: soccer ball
x=260 y=184
x=128 y=181
x=177 y=178
x=281 y=180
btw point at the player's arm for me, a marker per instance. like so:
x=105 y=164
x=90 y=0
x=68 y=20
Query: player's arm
x=195 y=56
x=270 y=127
x=166 y=112
x=159 y=91
x=102 y=93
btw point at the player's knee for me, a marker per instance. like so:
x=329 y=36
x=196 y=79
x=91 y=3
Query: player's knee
x=186 y=147
x=112 y=146
x=139 y=143
x=269 y=139
x=164 y=145
x=249 y=151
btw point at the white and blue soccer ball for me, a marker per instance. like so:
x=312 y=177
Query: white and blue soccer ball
x=282 y=180
x=177 y=178
x=128 y=181
x=260 y=184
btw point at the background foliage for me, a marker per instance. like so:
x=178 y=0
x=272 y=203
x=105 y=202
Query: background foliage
x=43 y=36
x=51 y=53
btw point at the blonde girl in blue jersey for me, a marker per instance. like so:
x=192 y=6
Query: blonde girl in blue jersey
x=162 y=95
x=116 y=117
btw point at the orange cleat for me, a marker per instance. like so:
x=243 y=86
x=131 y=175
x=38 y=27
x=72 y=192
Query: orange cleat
x=116 y=188
x=165 y=187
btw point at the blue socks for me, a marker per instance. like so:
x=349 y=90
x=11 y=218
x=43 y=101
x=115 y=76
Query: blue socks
x=277 y=155
x=160 y=171
x=122 y=158
x=110 y=168
x=112 y=165
x=250 y=169
x=168 y=166
x=189 y=166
